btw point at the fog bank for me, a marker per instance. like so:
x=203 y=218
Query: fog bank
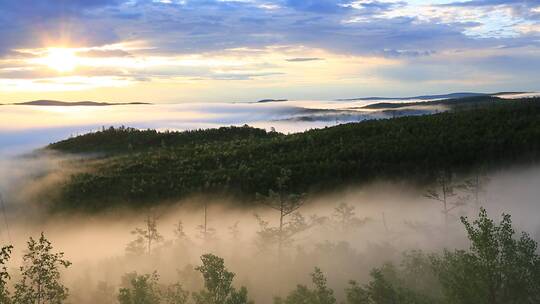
x=389 y=218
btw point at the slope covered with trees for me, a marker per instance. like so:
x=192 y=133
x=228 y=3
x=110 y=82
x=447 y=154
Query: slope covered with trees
x=144 y=167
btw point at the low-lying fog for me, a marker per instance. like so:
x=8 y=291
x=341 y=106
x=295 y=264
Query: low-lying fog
x=389 y=218
x=23 y=128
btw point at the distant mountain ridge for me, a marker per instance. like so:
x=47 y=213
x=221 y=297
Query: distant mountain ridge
x=456 y=102
x=57 y=103
x=423 y=97
x=272 y=100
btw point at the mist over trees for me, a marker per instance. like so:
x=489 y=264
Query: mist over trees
x=139 y=168
x=279 y=249
x=499 y=267
x=146 y=237
x=286 y=204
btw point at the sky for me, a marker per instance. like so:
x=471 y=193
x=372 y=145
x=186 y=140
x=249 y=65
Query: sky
x=172 y=51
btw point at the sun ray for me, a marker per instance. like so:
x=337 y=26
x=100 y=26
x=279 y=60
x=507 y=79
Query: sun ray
x=61 y=59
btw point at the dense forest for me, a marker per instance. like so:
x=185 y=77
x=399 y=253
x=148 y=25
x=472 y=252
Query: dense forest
x=139 y=167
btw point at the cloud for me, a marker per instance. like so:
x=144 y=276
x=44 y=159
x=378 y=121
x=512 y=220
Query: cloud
x=493 y=3
x=359 y=27
x=304 y=59
x=526 y=10
x=104 y=53
x=28 y=23
x=263 y=32
x=319 y=6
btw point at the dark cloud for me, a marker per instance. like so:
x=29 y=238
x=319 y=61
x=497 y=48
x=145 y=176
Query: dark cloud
x=243 y=76
x=206 y=27
x=27 y=23
x=211 y=25
x=104 y=53
x=46 y=10
x=303 y=59
x=407 y=53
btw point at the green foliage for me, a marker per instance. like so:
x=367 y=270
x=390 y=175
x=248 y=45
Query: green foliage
x=498 y=268
x=145 y=289
x=246 y=161
x=239 y=297
x=411 y=283
x=127 y=140
x=175 y=294
x=218 y=288
x=5 y=254
x=40 y=275
x=356 y=294
x=320 y=294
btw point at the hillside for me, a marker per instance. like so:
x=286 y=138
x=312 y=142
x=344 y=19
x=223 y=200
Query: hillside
x=128 y=140
x=145 y=167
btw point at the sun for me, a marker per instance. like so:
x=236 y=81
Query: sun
x=61 y=59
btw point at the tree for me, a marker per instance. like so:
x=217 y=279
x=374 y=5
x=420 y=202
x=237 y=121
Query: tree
x=40 y=275
x=145 y=289
x=321 y=294
x=218 y=280
x=243 y=161
x=476 y=187
x=145 y=237
x=413 y=281
x=498 y=268
x=286 y=204
x=175 y=294
x=142 y=289
x=356 y=294
x=206 y=233
x=5 y=254
x=180 y=234
x=444 y=194
x=235 y=231
x=346 y=218
x=284 y=233
x=385 y=287
x=179 y=231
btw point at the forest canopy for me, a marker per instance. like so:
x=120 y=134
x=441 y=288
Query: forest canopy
x=140 y=167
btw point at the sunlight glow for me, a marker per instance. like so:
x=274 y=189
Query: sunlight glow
x=61 y=59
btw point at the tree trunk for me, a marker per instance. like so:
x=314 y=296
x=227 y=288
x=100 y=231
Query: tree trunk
x=205 y=221
x=280 y=237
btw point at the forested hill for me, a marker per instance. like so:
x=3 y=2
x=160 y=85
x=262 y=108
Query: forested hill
x=146 y=167
x=127 y=140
